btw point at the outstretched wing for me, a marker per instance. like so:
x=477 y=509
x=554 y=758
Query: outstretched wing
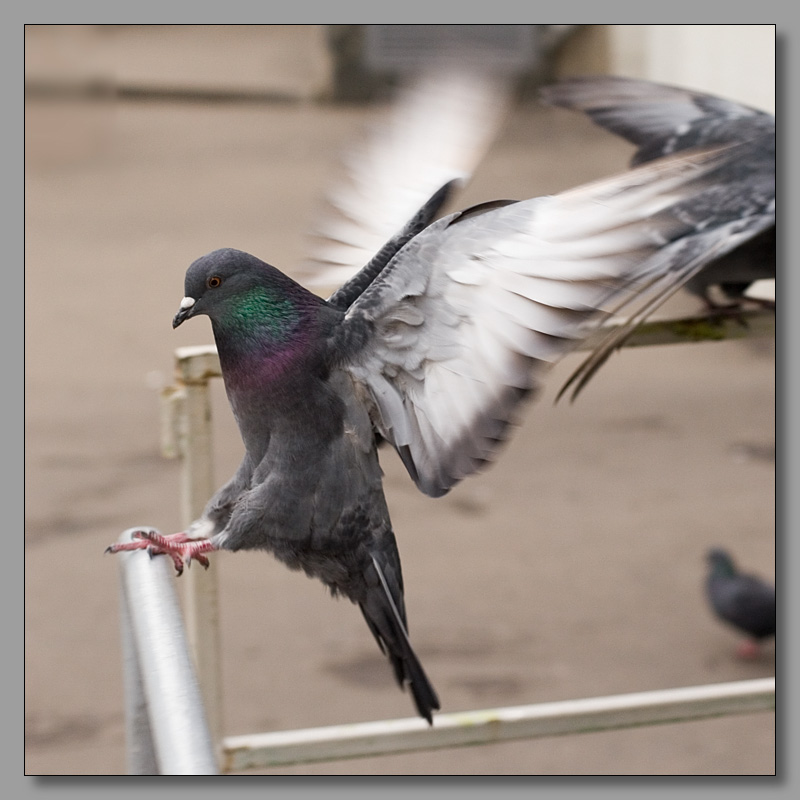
x=467 y=318
x=661 y=120
x=435 y=132
x=657 y=118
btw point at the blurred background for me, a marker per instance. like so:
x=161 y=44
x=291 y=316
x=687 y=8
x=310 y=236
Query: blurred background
x=572 y=568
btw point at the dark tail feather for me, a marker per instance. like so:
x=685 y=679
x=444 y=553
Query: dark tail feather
x=386 y=619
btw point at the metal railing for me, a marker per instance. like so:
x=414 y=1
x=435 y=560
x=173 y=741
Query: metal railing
x=166 y=727
x=174 y=699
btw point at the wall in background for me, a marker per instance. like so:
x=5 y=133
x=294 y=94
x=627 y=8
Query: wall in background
x=735 y=61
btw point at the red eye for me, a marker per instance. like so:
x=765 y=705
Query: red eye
x=214 y=281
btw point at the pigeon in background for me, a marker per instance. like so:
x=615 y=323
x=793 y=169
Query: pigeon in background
x=432 y=347
x=661 y=120
x=745 y=602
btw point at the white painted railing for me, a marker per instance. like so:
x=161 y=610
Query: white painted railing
x=497 y=725
x=174 y=700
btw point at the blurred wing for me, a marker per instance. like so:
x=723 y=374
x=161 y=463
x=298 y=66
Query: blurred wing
x=658 y=119
x=668 y=270
x=467 y=318
x=346 y=294
x=436 y=131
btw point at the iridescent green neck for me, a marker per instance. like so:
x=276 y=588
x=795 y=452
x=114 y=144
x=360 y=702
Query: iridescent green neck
x=259 y=337
x=259 y=314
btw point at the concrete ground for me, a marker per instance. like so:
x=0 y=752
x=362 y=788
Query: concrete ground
x=572 y=568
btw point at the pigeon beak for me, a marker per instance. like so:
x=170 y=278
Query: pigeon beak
x=186 y=310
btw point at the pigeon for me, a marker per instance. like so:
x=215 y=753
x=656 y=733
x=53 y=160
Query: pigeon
x=433 y=348
x=745 y=602
x=661 y=120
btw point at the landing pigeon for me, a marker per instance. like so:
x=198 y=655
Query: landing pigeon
x=661 y=120
x=744 y=601
x=432 y=348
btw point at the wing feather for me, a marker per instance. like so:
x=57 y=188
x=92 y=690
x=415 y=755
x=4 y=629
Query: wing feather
x=436 y=131
x=659 y=119
x=469 y=315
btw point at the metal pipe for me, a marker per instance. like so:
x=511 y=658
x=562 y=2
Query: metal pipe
x=180 y=733
x=187 y=434
x=139 y=747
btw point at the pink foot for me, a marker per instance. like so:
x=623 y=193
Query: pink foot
x=178 y=546
x=748 y=650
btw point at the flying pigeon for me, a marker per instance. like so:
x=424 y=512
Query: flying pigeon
x=661 y=120
x=744 y=601
x=432 y=347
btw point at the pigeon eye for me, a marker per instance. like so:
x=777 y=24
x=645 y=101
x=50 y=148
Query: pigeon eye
x=214 y=281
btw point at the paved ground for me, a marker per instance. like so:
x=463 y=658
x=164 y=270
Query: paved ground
x=572 y=568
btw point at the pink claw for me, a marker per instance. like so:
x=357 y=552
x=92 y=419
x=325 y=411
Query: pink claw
x=178 y=546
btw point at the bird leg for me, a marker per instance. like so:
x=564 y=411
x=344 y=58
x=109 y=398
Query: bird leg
x=178 y=546
x=748 y=650
x=719 y=311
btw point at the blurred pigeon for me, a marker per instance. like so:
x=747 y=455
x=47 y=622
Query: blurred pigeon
x=432 y=347
x=661 y=120
x=744 y=601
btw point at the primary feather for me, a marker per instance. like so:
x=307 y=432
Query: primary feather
x=661 y=120
x=435 y=132
x=466 y=320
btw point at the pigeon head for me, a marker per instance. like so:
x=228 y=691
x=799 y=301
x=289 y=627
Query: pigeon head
x=721 y=562
x=261 y=318
x=238 y=291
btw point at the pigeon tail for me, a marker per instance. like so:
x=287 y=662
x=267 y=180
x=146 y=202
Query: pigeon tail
x=385 y=617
